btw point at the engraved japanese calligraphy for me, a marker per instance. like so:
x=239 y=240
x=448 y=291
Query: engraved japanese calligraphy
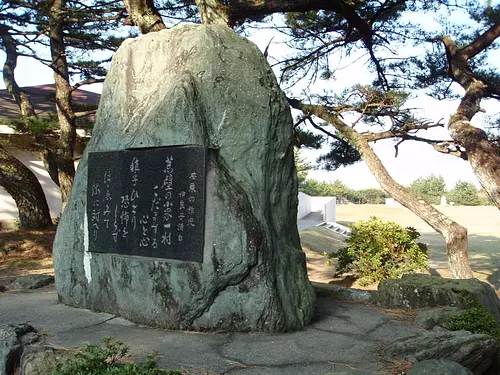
x=148 y=202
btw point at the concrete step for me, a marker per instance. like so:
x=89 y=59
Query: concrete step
x=337 y=228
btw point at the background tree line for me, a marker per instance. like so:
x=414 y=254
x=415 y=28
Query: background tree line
x=464 y=193
x=342 y=192
x=430 y=188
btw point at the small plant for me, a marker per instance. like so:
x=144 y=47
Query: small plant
x=93 y=359
x=35 y=125
x=378 y=250
x=476 y=320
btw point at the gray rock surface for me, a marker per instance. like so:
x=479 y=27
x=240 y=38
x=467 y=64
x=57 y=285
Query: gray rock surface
x=342 y=293
x=428 y=319
x=199 y=85
x=474 y=351
x=31 y=282
x=13 y=339
x=439 y=366
x=343 y=337
x=41 y=360
x=420 y=291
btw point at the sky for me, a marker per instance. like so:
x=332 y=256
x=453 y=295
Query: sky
x=414 y=158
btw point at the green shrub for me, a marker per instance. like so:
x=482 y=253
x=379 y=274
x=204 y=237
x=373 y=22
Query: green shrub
x=96 y=360
x=476 y=320
x=378 y=250
x=35 y=125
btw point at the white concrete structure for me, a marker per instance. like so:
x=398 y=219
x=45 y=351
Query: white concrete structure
x=392 y=202
x=318 y=203
x=326 y=205
x=443 y=201
x=8 y=208
x=304 y=207
x=330 y=211
x=325 y=214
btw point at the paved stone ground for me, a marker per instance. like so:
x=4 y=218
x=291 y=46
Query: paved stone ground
x=342 y=339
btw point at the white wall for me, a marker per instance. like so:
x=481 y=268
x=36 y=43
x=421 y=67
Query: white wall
x=392 y=202
x=8 y=208
x=327 y=205
x=304 y=205
x=330 y=211
x=318 y=203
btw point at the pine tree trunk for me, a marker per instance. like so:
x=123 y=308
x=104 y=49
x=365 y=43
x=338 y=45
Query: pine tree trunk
x=41 y=146
x=212 y=12
x=49 y=159
x=236 y=12
x=144 y=15
x=483 y=155
x=455 y=235
x=21 y=183
x=22 y=100
x=65 y=114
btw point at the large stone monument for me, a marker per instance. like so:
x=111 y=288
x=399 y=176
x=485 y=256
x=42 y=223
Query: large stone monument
x=183 y=211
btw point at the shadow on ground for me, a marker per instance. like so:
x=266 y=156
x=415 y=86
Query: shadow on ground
x=483 y=251
x=484 y=255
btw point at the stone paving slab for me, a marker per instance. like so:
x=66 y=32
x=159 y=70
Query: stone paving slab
x=41 y=309
x=343 y=338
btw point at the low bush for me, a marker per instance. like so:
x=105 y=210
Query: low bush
x=475 y=320
x=93 y=359
x=378 y=250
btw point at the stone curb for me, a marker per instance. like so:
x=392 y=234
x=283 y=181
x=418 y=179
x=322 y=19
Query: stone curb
x=343 y=293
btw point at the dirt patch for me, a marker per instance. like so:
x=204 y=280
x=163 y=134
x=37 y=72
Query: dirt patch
x=317 y=268
x=397 y=366
x=407 y=316
x=316 y=243
x=24 y=252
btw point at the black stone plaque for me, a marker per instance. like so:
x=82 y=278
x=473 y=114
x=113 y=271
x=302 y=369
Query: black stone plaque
x=148 y=202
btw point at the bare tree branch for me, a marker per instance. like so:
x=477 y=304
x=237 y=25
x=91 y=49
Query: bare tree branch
x=85 y=113
x=86 y=82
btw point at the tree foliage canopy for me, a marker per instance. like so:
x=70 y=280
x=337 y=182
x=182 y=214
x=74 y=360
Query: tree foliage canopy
x=326 y=189
x=430 y=188
x=464 y=194
x=342 y=192
x=90 y=28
